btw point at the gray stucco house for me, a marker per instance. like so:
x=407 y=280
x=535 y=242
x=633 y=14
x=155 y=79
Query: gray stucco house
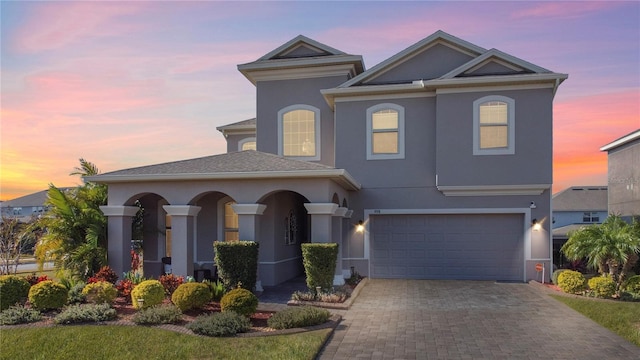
x=443 y=153
x=623 y=162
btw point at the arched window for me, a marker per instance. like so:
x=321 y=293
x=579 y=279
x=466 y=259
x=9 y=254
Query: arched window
x=247 y=144
x=493 y=126
x=299 y=132
x=385 y=132
x=230 y=222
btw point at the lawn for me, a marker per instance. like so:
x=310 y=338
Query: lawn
x=137 y=342
x=623 y=318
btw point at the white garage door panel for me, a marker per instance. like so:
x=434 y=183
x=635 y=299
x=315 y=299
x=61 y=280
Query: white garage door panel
x=478 y=246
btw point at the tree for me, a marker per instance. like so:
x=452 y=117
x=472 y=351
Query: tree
x=15 y=240
x=611 y=247
x=76 y=229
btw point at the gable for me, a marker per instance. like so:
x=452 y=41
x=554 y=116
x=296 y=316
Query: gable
x=302 y=50
x=430 y=63
x=495 y=67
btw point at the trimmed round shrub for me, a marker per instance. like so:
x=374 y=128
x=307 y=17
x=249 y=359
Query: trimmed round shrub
x=48 y=295
x=554 y=276
x=159 y=314
x=101 y=292
x=241 y=301
x=13 y=290
x=19 y=315
x=571 y=281
x=191 y=296
x=150 y=291
x=632 y=285
x=602 y=286
x=295 y=317
x=220 y=324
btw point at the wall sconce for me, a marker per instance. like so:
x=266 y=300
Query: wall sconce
x=536 y=225
x=360 y=227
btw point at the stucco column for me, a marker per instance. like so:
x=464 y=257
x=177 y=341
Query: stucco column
x=248 y=228
x=338 y=278
x=119 y=224
x=321 y=214
x=182 y=234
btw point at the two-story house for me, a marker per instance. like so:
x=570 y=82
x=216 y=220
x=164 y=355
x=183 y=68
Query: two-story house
x=434 y=164
x=623 y=169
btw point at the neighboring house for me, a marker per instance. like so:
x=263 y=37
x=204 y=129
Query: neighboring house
x=623 y=158
x=25 y=207
x=443 y=152
x=574 y=208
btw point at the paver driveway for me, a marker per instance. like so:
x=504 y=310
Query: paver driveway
x=432 y=319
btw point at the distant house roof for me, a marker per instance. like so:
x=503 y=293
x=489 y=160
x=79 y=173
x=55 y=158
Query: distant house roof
x=249 y=164
x=35 y=199
x=239 y=127
x=564 y=231
x=635 y=135
x=581 y=198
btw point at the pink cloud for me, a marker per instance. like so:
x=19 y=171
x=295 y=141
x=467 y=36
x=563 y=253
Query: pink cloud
x=562 y=9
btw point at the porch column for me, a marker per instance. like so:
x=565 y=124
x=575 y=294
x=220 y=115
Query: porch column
x=338 y=278
x=321 y=214
x=119 y=223
x=248 y=228
x=182 y=234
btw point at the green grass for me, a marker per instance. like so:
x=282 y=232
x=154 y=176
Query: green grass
x=138 y=342
x=623 y=318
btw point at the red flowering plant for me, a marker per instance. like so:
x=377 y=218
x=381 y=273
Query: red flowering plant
x=33 y=279
x=171 y=283
x=104 y=274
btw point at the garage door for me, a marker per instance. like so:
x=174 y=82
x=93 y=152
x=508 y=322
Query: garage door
x=473 y=247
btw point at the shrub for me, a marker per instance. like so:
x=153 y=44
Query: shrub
x=82 y=313
x=216 y=288
x=150 y=291
x=241 y=301
x=602 y=286
x=104 y=274
x=75 y=294
x=13 y=290
x=171 y=283
x=571 y=281
x=48 y=295
x=191 y=296
x=33 y=279
x=295 y=317
x=333 y=296
x=628 y=296
x=159 y=314
x=554 y=276
x=100 y=292
x=320 y=264
x=124 y=287
x=237 y=263
x=220 y=324
x=632 y=285
x=19 y=315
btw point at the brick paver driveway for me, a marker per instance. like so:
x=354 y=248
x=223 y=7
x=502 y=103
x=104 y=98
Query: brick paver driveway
x=429 y=319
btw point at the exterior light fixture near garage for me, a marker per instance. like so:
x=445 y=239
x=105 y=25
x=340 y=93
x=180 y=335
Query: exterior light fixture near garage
x=536 y=225
x=360 y=227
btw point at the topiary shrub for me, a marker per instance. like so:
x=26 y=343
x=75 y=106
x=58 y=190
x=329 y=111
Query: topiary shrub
x=602 y=286
x=13 y=290
x=295 y=317
x=220 y=324
x=571 y=281
x=150 y=291
x=48 y=295
x=320 y=264
x=82 y=313
x=241 y=301
x=632 y=285
x=19 y=315
x=159 y=314
x=237 y=263
x=191 y=296
x=554 y=276
x=100 y=292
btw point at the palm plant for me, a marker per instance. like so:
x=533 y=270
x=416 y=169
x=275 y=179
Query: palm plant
x=611 y=247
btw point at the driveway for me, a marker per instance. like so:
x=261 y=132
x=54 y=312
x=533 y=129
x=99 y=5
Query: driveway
x=433 y=319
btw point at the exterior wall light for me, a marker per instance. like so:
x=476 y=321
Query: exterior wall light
x=536 y=225
x=360 y=227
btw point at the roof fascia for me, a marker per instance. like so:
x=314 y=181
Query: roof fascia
x=621 y=141
x=300 y=39
x=331 y=94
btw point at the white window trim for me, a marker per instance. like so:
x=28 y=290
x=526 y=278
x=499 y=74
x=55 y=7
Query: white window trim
x=243 y=141
x=317 y=131
x=370 y=111
x=511 y=141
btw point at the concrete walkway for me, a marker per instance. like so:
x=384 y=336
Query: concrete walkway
x=428 y=319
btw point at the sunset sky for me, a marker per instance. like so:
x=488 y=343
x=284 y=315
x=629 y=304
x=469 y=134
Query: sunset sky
x=125 y=84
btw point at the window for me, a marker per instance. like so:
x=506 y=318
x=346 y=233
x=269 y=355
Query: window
x=385 y=132
x=493 y=126
x=247 y=144
x=230 y=222
x=590 y=217
x=299 y=132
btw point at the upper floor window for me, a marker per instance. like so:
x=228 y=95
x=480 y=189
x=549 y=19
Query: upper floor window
x=494 y=126
x=385 y=132
x=590 y=217
x=247 y=144
x=299 y=132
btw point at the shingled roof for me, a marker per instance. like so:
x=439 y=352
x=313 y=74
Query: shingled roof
x=581 y=198
x=249 y=164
